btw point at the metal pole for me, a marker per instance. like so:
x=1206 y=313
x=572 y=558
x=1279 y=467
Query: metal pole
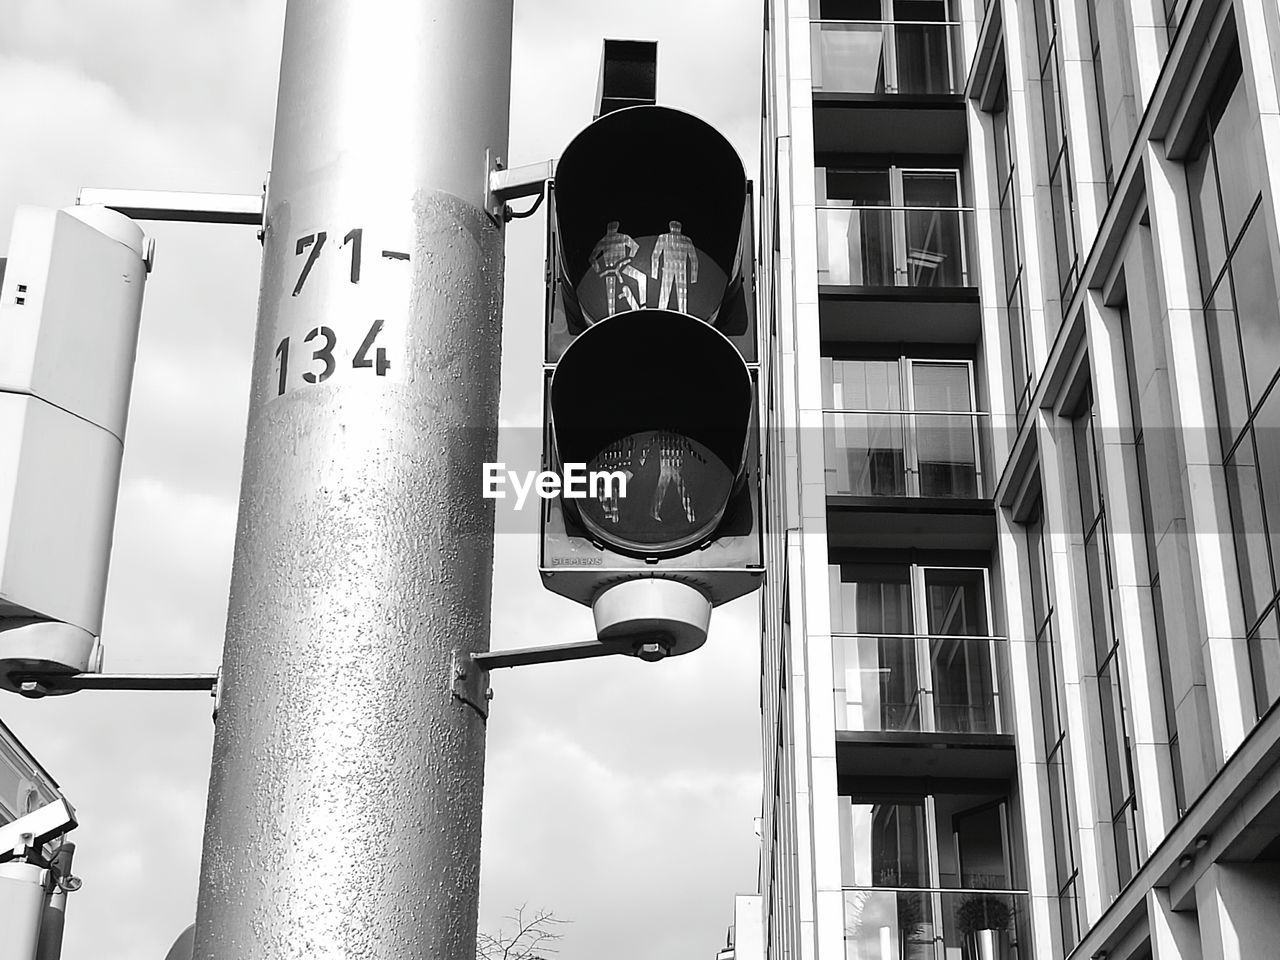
x=55 y=907
x=344 y=801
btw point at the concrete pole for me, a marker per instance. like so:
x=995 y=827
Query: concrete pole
x=22 y=899
x=344 y=801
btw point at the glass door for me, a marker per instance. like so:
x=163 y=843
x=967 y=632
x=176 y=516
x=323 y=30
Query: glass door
x=932 y=229
x=922 y=56
x=944 y=431
x=957 y=646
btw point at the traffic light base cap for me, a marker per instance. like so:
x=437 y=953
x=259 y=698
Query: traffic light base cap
x=44 y=646
x=659 y=618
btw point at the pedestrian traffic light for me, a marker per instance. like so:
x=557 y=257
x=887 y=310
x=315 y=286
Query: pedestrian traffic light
x=651 y=382
x=70 y=303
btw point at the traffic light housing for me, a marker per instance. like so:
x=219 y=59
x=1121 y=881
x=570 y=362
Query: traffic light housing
x=651 y=378
x=70 y=304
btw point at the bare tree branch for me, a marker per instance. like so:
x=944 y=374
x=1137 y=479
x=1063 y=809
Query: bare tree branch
x=534 y=937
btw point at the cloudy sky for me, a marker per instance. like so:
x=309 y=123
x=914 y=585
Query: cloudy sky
x=620 y=795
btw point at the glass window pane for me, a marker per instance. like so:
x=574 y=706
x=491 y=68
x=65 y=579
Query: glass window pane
x=1113 y=735
x=866 y=454
x=1264 y=662
x=1257 y=311
x=1123 y=836
x=963 y=694
x=924 y=54
x=1206 y=218
x=929 y=189
x=1003 y=164
x=862 y=188
x=1039 y=572
x=1068 y=912
x=1060 y=817
x=1063 y=225
x=941 y=386
x=1048 y=672
x=1018 y=350
x=1266 y=437
x=879 y=598
x=877 y=684
x=849 y=57
x=979 y=842
x=1224 y=360
x=1045 y=25
x=1099 y=598
x=1085 y=468
x=1009 y=243
x=865 y=385
x=1237 y=151
x=956 y=602
x=1052 y=118
x=1250 y=533
x=886 y=844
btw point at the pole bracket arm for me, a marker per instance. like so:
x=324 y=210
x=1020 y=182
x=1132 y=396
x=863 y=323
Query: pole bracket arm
x=36 y=685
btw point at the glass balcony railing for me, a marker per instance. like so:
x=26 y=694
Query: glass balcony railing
x=892 y=246
x=886 y=57
x=875 y=453
x=904 y=924
x=914 y=683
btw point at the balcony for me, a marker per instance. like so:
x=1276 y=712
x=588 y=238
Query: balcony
x=886 y=58
x=934 y=924
x=922 y=454
x=905 y=683
x=892 y=246
x=888 y=87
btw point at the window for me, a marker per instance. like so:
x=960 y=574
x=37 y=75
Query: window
x=1242 y=320
x=912 y=649
x=923 y=870
x=1061 y=201
x=1007 y=188
x=901 y=428
x=1106 y=646
x=1100 y=91
x=891 y=226
x=882 y=47
x=1055 y=733
x=1153 y=566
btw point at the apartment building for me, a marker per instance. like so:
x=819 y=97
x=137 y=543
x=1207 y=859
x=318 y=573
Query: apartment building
x=1021 y=433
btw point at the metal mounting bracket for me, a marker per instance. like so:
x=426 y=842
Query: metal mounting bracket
x=470 y=682
x=529 y=180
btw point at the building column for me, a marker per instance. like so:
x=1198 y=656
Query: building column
x=1239 y=910
x=1215 y=608
x=1175 y=934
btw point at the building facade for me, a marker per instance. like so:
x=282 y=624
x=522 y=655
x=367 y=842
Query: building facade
x=1021 y=432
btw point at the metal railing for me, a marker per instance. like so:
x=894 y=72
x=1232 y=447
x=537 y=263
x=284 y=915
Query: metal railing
x=885 y=246
x=905 y=453
x=887 y=57
x=910 y=682
x=934 y=924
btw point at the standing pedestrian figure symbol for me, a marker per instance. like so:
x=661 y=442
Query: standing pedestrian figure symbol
x=679 y=267
x=611 y=257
